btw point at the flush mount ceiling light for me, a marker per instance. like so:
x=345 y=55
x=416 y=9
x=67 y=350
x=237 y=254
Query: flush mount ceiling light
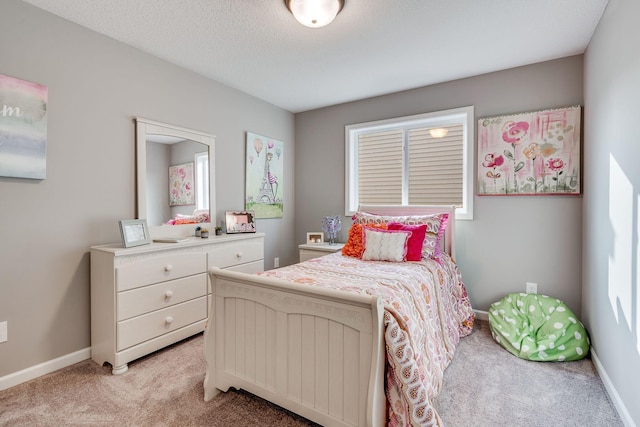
x=438 y=132
x=314 y=13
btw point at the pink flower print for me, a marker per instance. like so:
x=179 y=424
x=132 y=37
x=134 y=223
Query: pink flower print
x=492 y=160
x=555 y=164
x=514 y=132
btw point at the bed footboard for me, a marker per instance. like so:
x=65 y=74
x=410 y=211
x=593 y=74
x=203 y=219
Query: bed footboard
x=316 y=352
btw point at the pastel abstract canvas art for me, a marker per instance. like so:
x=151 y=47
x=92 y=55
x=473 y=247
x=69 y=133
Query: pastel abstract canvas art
x=181 y=186
x=536 y=153
x=23 y=128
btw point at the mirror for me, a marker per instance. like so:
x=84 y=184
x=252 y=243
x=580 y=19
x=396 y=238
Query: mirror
x=175 y=180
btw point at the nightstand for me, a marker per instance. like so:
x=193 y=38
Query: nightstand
x=309 y=251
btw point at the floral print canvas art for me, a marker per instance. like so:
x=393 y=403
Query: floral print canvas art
x=181 y=187
x=536 y=153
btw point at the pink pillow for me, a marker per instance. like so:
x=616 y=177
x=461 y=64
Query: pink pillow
x=414 y=245
x=443 y=226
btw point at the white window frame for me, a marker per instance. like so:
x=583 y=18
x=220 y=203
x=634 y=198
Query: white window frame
x=201 y=161
x=464 y=115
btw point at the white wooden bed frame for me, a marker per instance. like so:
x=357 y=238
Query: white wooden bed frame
x=317 y=352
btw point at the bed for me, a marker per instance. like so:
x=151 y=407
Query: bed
x=340 y=340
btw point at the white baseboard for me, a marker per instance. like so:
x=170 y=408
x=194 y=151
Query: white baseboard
x=44 y=368
x=482 y=315
x=613 y=393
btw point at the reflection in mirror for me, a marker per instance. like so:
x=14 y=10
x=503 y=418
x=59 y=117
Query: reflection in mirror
x=174 y=179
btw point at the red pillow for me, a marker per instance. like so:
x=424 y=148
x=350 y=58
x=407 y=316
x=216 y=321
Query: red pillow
x=414 y=245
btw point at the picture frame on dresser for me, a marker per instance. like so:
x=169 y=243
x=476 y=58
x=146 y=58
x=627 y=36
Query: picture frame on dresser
x=240 y=222
x=315 y=237
x=134 y=232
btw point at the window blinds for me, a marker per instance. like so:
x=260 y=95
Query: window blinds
x=436 y=167
x=430 y=174
x=380 y=167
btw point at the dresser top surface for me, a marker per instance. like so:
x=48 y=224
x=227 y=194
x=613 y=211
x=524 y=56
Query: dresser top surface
x=117 y=249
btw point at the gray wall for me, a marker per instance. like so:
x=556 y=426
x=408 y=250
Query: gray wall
x=611 y=297
x=512 y=240
x=96 y=87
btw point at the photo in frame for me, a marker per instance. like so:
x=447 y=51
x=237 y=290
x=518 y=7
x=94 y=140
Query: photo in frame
x=240 y=222
x=535 y=153
x=23 y=128
x=134 y=232
x=181 y=185
x=264 y=179
x=315 y=237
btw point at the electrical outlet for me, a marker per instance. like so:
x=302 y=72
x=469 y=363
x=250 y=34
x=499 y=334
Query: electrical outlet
x=3 y=332
x=532 y=288
x=276 y=262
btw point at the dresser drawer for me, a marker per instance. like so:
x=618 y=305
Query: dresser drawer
x=154 y=297
x=233 y=253
x=159 y=268
x=139 y=329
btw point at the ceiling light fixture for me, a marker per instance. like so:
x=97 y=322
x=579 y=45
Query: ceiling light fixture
x=314 y=13
x=438 y=132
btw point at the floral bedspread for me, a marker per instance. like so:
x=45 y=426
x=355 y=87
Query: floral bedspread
x=427 y=310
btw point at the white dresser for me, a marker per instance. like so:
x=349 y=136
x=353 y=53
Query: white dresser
x=147 y=297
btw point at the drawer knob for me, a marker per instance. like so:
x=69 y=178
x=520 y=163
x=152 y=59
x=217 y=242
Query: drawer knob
x=168 y=267
x=168 y=320
x=168 y=294
x=239 y=255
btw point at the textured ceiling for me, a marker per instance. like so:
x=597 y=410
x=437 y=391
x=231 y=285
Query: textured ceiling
x=373 y=47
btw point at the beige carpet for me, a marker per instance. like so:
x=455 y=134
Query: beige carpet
x=484 y=386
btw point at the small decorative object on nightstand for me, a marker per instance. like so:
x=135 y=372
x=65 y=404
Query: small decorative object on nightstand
x=315 y=250
x=204 y=233
x=331 y=225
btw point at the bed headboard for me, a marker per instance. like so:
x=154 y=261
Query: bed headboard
x=448 y=240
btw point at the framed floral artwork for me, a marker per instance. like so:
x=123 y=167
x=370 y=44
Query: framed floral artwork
x=535 y=153
x=181 y=187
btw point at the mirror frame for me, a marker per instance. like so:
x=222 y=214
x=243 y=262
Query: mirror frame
x=146 y=127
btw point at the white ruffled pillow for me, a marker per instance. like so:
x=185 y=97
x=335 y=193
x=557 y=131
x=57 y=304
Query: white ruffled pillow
x=385 y=245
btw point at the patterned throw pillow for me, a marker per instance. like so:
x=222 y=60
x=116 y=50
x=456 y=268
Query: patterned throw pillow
x=435 y=227
x=354 y=247
x=385 y=245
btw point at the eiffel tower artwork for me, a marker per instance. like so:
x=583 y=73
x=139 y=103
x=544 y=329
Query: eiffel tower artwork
x=264 y=180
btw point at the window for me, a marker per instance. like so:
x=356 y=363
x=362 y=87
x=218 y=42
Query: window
x=404 y=161
x=202 y=180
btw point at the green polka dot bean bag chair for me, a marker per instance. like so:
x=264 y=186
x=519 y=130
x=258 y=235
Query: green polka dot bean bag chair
x=537 y=327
